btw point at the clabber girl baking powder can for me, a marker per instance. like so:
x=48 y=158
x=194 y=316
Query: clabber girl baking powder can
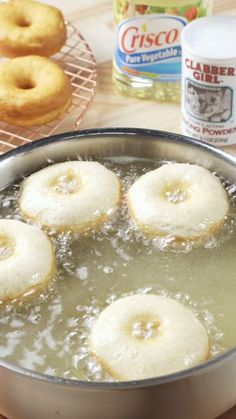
x=209 y=80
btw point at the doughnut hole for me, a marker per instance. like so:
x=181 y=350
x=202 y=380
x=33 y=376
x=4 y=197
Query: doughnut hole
x=66 y=183
x=176 y=192
x=6 y=247
x=21 y=19
x=26 y=84
x=143 y=329
x=23 y=22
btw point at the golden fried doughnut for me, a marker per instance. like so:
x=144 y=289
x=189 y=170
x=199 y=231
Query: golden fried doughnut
x=30 y=28
x=27 y=260
x=144 y=336
x=75 y=195
x=33 y=91
x=178 y=199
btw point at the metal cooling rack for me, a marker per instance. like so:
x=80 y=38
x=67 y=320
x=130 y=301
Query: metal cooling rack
x=78 y=62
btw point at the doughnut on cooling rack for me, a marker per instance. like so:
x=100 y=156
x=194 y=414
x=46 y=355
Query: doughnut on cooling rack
x=78 y=62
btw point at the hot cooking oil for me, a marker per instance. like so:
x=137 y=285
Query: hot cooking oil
x=50 y=334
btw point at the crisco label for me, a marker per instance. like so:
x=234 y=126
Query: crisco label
x=149 y=46
x=148 y=36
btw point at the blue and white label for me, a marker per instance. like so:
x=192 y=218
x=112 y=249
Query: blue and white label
x=149 y=46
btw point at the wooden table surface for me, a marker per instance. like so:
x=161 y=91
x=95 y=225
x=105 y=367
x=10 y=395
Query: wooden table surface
x=95 y=21
x=109 y=107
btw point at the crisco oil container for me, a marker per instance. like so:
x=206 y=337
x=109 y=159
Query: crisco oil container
x=147 y=61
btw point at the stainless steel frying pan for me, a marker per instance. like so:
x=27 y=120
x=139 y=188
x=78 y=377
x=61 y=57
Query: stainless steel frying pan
x=203 y=392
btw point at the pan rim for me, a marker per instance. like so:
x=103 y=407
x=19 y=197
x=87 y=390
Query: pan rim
x=133 y=384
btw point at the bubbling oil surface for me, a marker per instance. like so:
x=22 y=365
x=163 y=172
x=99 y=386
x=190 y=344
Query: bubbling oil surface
x=50 y=333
